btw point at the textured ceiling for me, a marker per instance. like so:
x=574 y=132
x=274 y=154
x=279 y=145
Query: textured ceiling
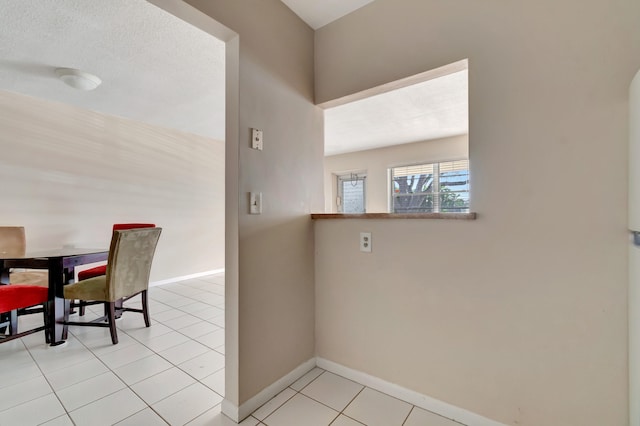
x=432 y=109
x=154 y=67
x=160 y=70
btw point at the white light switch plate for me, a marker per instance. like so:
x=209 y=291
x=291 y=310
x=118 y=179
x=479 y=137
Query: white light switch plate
x=256 y=139
x=255 y=202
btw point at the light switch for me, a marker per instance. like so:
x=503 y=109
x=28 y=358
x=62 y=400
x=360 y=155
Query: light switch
x=255 y=202
x=256 y=139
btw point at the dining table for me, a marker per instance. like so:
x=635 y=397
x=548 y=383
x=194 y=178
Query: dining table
x=61 y=264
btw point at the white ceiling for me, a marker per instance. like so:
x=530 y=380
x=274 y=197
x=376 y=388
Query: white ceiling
x=318 y=13
x=432 y=109
x=154 y=67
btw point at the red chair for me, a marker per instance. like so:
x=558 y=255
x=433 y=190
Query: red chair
x=17 y=296
x=102 y=269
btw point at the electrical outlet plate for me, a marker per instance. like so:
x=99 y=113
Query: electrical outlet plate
x=256 y=139
x=365 y=242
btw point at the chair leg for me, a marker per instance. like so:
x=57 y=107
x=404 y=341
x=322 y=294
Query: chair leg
x=111 y=318
x=82 y=307
x=119 y=303
x=145 y=308
x=4 y=319
x=13 y=322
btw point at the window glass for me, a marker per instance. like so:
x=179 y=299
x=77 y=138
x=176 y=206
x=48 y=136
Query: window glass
x=413 y=189
x=454 y=186
x=431 y=188
x=351 y=194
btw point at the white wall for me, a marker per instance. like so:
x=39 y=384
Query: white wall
x=375 y=163
x=521 y=315
x=69 y=174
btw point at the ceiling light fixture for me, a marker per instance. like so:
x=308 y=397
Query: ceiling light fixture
x=78 y=79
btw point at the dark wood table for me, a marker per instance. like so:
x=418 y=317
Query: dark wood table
x=61 y=265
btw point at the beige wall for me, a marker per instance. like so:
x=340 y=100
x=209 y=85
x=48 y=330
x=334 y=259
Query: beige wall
x=375 y=163
x=521 y=315
x=634 y=252
x=276 y=260
x=69 y=174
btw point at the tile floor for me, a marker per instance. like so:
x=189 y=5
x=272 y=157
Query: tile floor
x=171 y=373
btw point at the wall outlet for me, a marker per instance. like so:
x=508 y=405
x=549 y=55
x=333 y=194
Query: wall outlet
x=365 y=242
x=256 y=139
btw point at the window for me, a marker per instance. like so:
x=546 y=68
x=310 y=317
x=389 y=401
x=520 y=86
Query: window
x=351 y=190
x=431 y=188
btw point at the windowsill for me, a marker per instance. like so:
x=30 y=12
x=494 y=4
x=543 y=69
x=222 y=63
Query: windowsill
x=451 y=216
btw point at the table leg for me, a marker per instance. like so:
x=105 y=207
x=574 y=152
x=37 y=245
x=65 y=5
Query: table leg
x=4 y=273
x=57 y=311
x=4 y=280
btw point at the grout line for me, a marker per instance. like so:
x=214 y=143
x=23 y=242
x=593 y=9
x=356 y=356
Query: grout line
x=25 y=347
x=81 y=344
x=413 y=407
x=278 y=407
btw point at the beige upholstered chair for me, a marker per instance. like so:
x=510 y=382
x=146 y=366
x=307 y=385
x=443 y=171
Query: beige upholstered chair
x=128 y=268
x=102 y=269
x=13 y=240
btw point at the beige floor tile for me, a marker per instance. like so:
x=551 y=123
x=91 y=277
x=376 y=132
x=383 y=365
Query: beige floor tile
x=187 y=404
x=374 y=408
x=420 y=417
x=301 y=410
x=332 y=390
x=162 y=385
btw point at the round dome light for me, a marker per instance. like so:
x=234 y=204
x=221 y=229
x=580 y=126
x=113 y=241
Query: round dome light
x=78 y=79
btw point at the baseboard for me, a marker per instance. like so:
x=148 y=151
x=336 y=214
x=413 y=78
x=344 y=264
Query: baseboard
x=431 y=404
x=240 y=413
x=230 y=410
x=187 y=277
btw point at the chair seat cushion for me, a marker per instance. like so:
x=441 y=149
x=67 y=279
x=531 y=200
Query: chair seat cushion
x=92 y=272
x=17 y=296
x=91 y=289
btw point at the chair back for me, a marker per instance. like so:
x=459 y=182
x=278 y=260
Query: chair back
x=129 y=264
x=12 y=240
x=122 y=226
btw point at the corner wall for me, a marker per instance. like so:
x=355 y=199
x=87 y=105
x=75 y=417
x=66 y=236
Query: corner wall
x=521 y=315
x=276 y=258
x=69 y=174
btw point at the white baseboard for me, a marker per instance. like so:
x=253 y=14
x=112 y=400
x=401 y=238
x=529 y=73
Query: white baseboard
x=431 y=404
x=238 y=414
x=230 y=410
x=186 y=277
